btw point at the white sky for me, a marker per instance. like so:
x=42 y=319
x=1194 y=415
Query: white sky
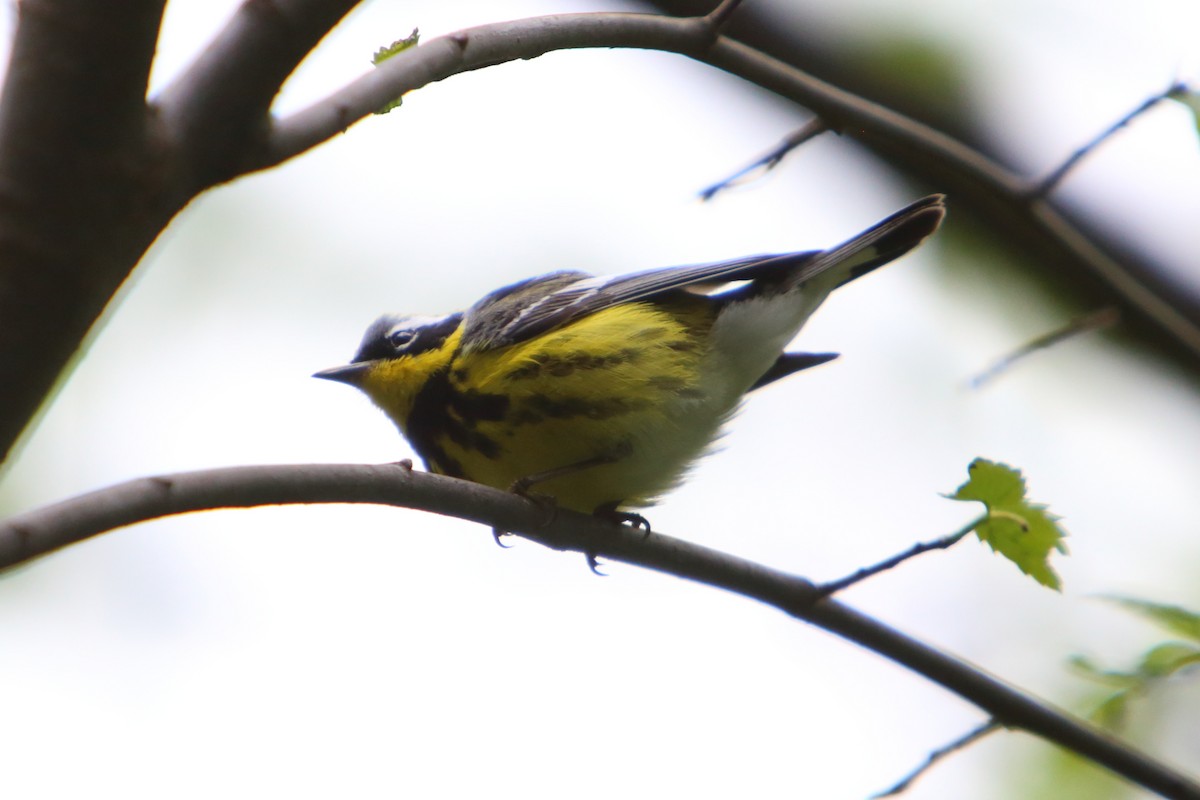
x=381 y=653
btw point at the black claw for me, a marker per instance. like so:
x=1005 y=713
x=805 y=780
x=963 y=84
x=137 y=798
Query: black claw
x=594 y=565
x=635 y=521
x=609 y=511
x=497 y=534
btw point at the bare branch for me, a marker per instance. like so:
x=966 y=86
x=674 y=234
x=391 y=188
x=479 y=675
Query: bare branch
x=29 y=535
x=73 y=136
x=768 y=162
x=1097 y=320
x=217 y=111
x=943 y=543
x=89 y=175
x=475 y=48
x=961 y=742
x=1051 y=181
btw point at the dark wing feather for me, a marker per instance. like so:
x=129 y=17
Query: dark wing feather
x=489 y=320
x=529 y=308
x=522 y=311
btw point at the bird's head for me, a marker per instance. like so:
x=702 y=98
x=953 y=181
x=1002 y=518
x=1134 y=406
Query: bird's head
x=397 y=357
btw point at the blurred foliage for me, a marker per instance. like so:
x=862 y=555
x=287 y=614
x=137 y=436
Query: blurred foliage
x=907 y=64
x=1161 y=661
x=1057 y=774
x=1191 y=100
x=1062 y=775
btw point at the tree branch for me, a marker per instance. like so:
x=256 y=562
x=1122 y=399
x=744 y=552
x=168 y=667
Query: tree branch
x=217 y=110
x=35 y=533
x=73 y=136
x=1051 y=182
x=90 y=175
x=475 y=48
x=763 y=164
x=964 y=741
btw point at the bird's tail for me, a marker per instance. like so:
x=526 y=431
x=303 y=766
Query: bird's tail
x=883 y=242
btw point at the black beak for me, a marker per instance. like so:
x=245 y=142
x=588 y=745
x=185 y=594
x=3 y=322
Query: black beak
x=350 y=373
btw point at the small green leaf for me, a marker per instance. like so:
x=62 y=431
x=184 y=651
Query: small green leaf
x=1115 y=678
x=1190 y=98
x=384 y=53
x=1111 y=712
x=1021 y=531
x=1168 y=658
x=1159 y=662
x=398 y=46
x=1175 y=619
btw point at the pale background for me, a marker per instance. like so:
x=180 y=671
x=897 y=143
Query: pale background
x=366 y=652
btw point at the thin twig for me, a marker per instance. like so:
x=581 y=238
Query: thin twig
x=937 y=755
x=917 y=549
x=34 y=533
x=768 y=162
x=1096 y=320
x=1048 y=184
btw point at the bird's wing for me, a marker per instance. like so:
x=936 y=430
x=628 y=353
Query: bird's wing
x=523 y=310
x=527 y=309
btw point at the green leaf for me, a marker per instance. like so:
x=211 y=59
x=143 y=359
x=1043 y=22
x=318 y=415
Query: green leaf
x=1156 y=664
x=1021 y=531
x=1166 y=659
x=384 y=53
x=1111 y=712
x=1190 y=98
x=1159 y=662
x=1175 y=619
x=1114 y=678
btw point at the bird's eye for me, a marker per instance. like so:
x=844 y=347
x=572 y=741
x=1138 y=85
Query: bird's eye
x=401 y=338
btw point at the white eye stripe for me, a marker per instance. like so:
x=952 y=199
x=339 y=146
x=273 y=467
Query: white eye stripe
x=416 y=323
x=408 y=330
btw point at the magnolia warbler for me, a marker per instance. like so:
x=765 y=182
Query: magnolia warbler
x=602 y=392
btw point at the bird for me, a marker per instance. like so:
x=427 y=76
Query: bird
x=599 y=394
